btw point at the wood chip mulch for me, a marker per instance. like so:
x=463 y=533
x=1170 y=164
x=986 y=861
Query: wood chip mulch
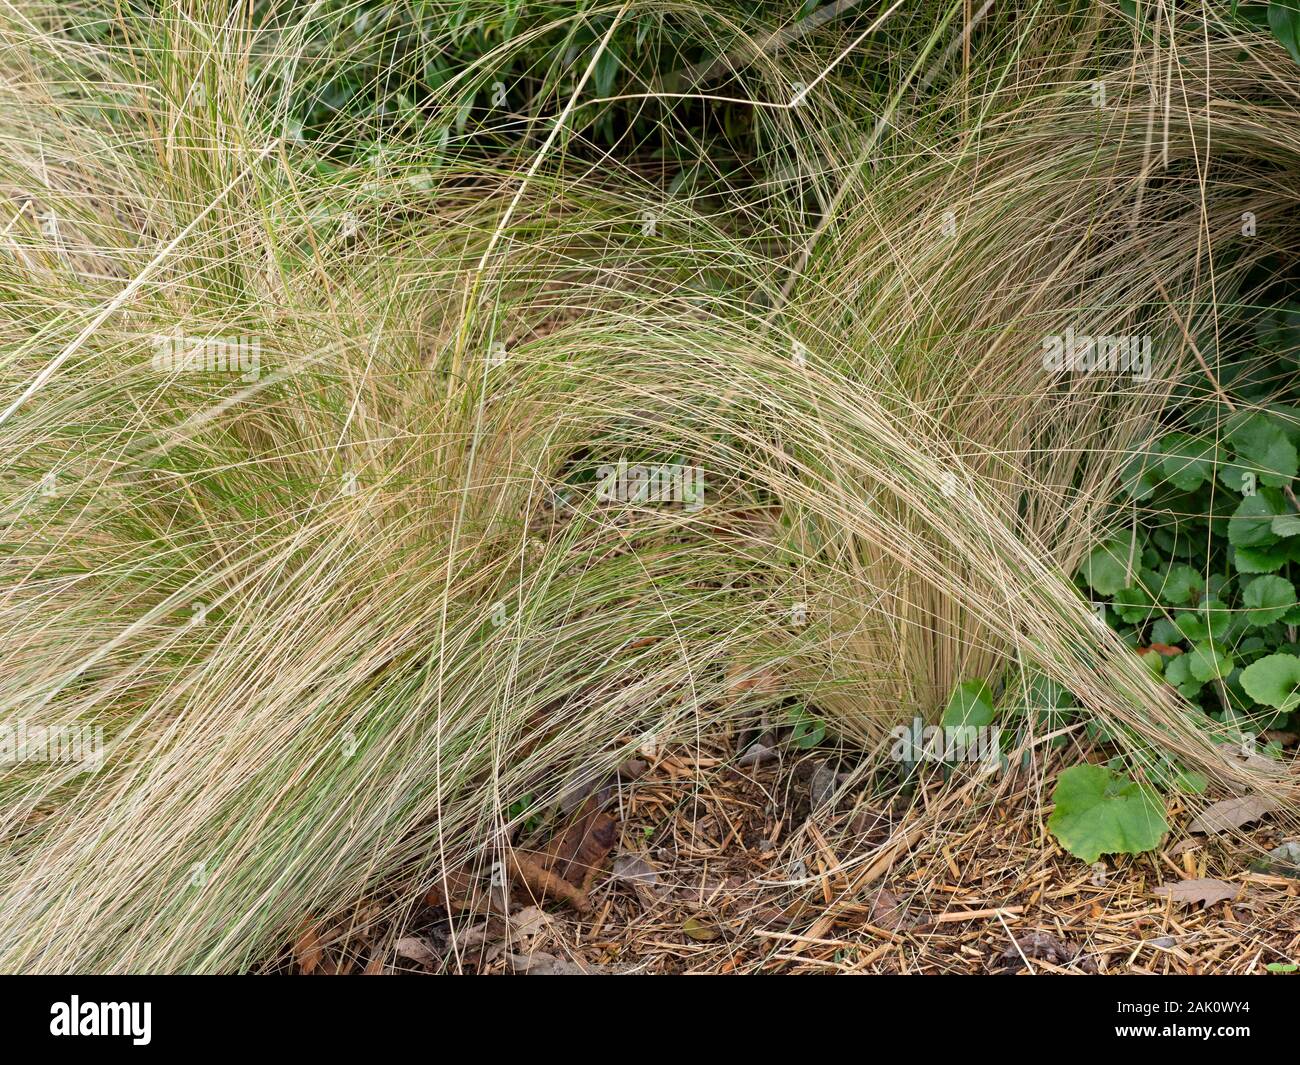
x=716 y=868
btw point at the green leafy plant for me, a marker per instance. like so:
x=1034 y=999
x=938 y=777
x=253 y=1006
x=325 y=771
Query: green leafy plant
x=368 y=71
x=806 y=731
x=375 y=607
x=1281 y=18
x=1099 y=811
x=1274 y=681
x=971 y=706
x=1203 y=580
x=526 y=806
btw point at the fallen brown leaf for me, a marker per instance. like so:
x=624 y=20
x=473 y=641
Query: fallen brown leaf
x=1227 y=814
x=743 y=678
x=644 y=878
x=481 y=935
x=416 y=949
x=1043 y=946
x=307 y=949
x=757 y=754
x=529 y=922
x=565 y=867
x=887 y=912
x=455 y=891
x=1251 y=758
x=633 y=769
x=481 y=944
x=1206 y=892
x=543 y=883
x=637 y=869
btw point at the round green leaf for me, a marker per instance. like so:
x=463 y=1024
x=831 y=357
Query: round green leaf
x=1101 y=812
x=1235 y=477
x=1251 y=524
x=1187 y=463
x=1166 y=632
x=1261 y=445
x=1267 y=599
x=1153 y=660
x=1207 y=661
x=806 y=731
x=1181 y=583
x=1178 y=672
x=1211 y=618
x=1141 y=476
x=1111 y=566
x=1286 y=525
x=1134 y=605
x=1274 y=681
x=1191 y=628
x=1260 y=559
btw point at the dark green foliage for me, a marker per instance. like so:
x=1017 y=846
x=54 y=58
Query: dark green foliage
x=1207 y=567
x=1280 y=17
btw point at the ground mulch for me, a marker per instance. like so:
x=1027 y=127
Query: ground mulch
x=705 y=866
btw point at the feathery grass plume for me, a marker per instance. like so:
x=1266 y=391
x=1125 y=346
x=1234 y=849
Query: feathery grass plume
x=308 y=467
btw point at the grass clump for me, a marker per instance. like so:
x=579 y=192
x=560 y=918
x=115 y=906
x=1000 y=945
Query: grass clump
x=307 y=450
